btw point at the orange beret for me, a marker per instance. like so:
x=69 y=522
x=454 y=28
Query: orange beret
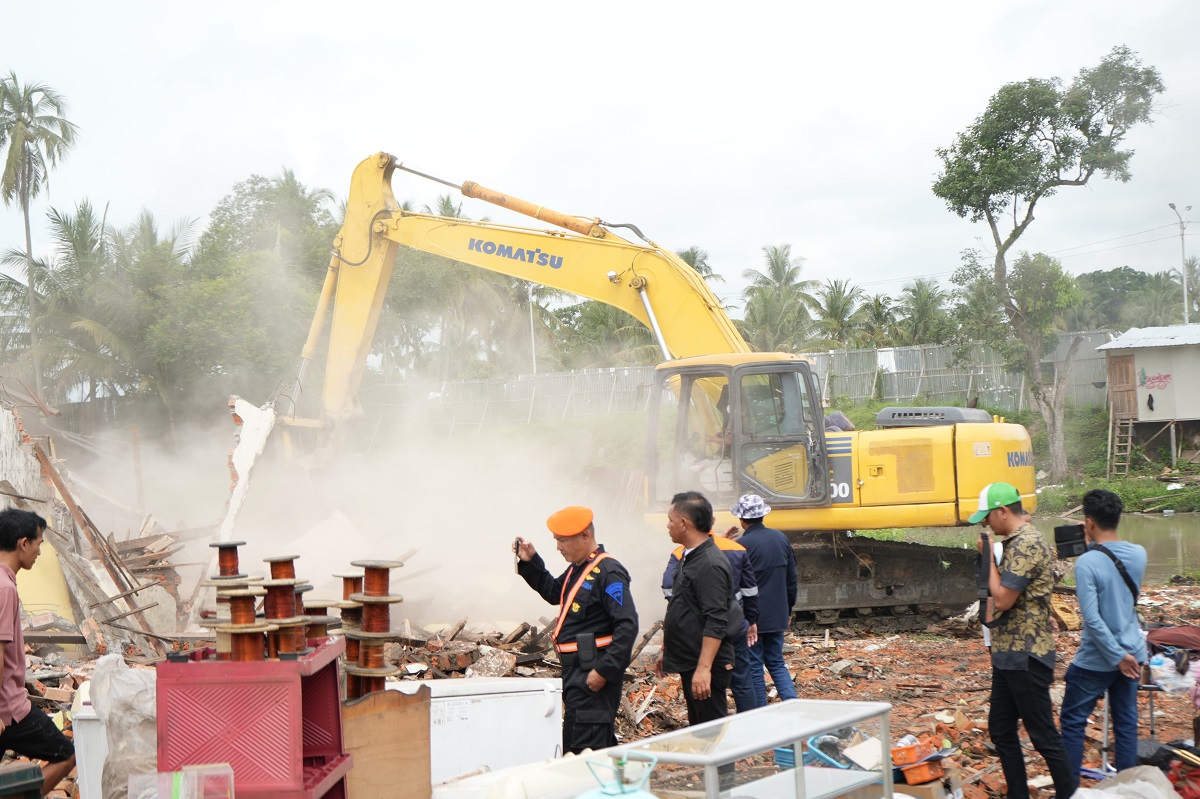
x=570 y=521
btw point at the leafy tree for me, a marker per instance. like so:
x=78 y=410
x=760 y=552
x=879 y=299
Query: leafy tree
x=280 y=215
x=1034 y=138
x=778 y=302
x=600 y=334
x=34 y=128
x=838 y=313
x=1104 y=296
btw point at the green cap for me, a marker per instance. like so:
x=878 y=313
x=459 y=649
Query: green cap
x=994 y=495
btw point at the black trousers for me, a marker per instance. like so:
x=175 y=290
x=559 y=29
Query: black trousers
x=717 y=704
x=588 y=716
x=1025 y=696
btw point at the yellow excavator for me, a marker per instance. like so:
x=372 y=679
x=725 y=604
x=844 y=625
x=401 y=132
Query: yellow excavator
x=723 y=419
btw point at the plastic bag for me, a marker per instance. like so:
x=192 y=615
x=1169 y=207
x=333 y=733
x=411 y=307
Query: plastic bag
x=1164 y=674
x=1139 y=782
x=124 y=700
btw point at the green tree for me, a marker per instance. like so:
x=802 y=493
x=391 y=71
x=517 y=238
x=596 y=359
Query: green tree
x=878 y=321
x=37 y=134
x=697 y=259
x=1034 y=138
x=1158 y=302
x=838 y=313
x=778 y=302
x=921 y=313
x=1104 y=297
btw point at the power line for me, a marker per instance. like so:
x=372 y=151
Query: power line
x=1118 y=238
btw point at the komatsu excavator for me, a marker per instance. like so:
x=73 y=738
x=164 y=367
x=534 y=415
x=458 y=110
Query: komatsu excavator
x=722 y=419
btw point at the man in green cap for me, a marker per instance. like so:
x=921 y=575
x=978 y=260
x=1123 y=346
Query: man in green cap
x=1022 y=643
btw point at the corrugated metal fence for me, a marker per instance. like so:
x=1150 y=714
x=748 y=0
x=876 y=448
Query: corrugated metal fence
x=921 y=375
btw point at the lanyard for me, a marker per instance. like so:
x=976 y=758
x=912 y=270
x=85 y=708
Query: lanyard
x=565 y=601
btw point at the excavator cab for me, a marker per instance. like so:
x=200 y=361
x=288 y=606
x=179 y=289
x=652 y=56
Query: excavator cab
x=727 y=429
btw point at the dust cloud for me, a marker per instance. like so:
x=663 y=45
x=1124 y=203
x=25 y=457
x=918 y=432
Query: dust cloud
x=449 y=507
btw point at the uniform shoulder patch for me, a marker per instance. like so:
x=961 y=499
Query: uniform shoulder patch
x=617 y=592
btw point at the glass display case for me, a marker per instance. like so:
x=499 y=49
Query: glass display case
x=714 y=746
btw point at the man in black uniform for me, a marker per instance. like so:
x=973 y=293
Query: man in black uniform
x=595 y=629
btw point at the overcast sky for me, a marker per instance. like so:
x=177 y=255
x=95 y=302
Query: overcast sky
x=720 y=125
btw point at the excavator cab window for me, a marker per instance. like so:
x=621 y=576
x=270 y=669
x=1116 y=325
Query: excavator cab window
x=780 y=452
x=692 y=447
x=725 y=435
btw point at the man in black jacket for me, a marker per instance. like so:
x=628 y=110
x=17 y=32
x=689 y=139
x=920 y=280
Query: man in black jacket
x=695 y=631
x=595 y=629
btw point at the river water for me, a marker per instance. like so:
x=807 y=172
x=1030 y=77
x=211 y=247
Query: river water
x=1172 y=542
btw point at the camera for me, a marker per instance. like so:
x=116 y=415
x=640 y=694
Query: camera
x=1070 y=541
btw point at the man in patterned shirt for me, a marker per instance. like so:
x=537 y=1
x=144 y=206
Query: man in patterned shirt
x=1022 y=644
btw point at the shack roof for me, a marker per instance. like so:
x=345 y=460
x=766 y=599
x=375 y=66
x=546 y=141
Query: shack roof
x=1142 y=337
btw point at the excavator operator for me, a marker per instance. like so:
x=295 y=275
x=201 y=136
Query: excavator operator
x=595 y=629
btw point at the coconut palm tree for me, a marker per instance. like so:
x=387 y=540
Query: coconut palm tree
x=922 y=312
x=697 y=259
x=37 y=134
x=1158 y=303
x=838 y=313
x=878 y=321
x=778 y=301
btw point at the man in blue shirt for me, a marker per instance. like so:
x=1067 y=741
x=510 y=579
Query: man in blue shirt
x=774 y=564
x=1111 y=647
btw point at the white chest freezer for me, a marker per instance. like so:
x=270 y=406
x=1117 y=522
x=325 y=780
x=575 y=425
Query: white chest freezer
x=489 y=723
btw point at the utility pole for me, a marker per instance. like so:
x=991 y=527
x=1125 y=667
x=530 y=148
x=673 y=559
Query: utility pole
x=1183 y=255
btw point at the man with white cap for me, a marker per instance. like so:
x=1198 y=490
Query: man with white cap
x=774 y=564
x=595 y=629
x=1022 y=642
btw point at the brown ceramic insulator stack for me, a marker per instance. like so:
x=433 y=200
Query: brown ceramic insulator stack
x=376 y=600
x=281 y=612
x=351 y=613
x=243 y=632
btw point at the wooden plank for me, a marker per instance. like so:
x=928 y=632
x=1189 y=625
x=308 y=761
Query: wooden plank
x=97 y=542
x=388 y=734
x=53 y=637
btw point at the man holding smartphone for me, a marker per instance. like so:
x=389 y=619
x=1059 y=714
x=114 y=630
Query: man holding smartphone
x=1111 y=648
x=595 y=630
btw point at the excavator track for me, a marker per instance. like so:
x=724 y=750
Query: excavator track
x=852 y=581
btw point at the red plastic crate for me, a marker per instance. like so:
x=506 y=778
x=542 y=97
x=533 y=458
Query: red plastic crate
x=277 y=723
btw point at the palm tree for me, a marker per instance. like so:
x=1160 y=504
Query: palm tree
x=697 y=259
x=778 y=302
x=922 y=310
x=34 y=127
x=838 y=312
x=878 y=321
x=1158 y=304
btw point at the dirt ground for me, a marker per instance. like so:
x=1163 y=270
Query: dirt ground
x=938 y=683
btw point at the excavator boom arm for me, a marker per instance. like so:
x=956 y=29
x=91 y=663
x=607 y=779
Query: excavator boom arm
x=646 y=281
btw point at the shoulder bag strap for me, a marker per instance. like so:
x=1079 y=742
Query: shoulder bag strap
x=1133 y=589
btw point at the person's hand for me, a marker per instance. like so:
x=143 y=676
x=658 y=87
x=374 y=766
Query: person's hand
x=983 y=537
x=1130 y=667
x=702 y=682
x=752 y=635
x=524 y=549
x=595 y=681
x=733 y=533
x=658 y=672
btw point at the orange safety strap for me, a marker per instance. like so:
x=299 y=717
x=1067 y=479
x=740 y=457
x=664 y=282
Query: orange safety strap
x=565 y=601
x=601 y=642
